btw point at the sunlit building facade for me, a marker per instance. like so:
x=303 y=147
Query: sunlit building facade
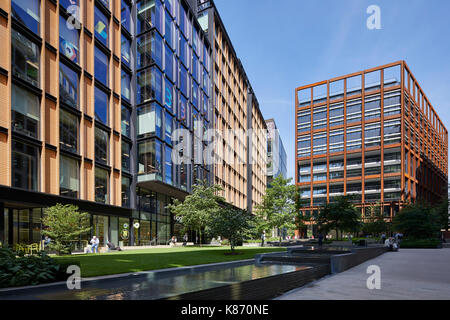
x=373 y=135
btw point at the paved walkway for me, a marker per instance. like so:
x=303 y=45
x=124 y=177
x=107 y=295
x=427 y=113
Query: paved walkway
x=408 y=274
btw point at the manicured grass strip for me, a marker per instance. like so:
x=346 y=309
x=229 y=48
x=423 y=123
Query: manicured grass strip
x=152 y=259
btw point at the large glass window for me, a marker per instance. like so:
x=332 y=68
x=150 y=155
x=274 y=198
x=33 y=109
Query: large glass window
x=101 y=185
x=25 y=166
x=101 y=146
x=149 y=15
x=101 y=106
x=68 y=131
x=168 y=165
x=101 y=67
x=149 y=50
x=69 y=177
x=101 y=26
x=183 y=81
x=150 y=120
x=125 y=85
x=27 y=12
x=125 y=50
x=184 y=112
x=126 y=116
x=68 y=41
x=149 y=85
x=68 y=86
x=126 y=147
x=25 y=112
x=125 y=16
x=184 y=58
x=149 y=158
x=25 y=58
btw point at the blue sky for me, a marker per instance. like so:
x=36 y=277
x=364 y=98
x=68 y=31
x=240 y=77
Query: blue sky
x=284 y=44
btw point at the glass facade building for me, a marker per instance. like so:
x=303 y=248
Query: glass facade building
x=372 y=134
x=276 y=154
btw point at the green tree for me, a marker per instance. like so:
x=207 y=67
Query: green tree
x=375 y=223
x=196 y=209
x=418 y=221
x=64 y=224
x=340 y=215
x=278 y=207
x=230 y=223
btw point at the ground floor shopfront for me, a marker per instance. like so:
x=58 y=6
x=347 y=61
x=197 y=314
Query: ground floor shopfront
x=21 y=214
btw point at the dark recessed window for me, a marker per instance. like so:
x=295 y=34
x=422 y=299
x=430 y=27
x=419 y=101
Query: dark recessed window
x=125 y=50
x=126 y=116
x=25 y=112
x=101 y=185
x=149 y=15
x=25 y=58
x=68 y=86
x=69 y=177
x=68 y=131
x=101 y=66
x=126 y=192
x=101 y=146
x=126 y=147
x=125 y=16
x=68 y=41
x=149 y=85
x=25 y=166
x=125 y=85
x=101 y=106
x=101 y=26
x=27 y=12
x=149 y=50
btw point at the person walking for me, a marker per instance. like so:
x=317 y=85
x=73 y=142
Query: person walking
x=185 y=240
x=383 y=238
x=320 y=240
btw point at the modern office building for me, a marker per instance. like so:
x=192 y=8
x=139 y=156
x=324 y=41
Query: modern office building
x=276 y=154
x=372 y=134
x=243 y=157
x=97 y=99
x=91 y=92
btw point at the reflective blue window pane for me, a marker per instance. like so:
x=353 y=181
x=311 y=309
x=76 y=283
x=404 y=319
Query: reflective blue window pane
x=195 y=95
x=149 y=85
x=183 y=50
x=169 y=28
x=67 y=3
x=168 y=128
x=183 y=80
x=125 y=16
x=101 y=66
x=68 y=41
x=27 y=12
x=101 y=106
x=169 y=96
x=125 y=85
x=101 y=27
x=125 y=50
x=68 y=86
x=168 y=165
x=169 y=63
x=125 y=124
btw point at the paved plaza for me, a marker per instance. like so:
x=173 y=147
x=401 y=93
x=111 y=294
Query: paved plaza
x=408 y=274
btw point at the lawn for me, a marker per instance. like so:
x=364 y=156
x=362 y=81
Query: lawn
x=152 y=259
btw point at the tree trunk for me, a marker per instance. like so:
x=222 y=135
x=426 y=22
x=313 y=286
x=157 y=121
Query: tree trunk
x=200 y=236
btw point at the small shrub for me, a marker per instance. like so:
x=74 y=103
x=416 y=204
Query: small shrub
x=420 y=243
x=17 y=269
